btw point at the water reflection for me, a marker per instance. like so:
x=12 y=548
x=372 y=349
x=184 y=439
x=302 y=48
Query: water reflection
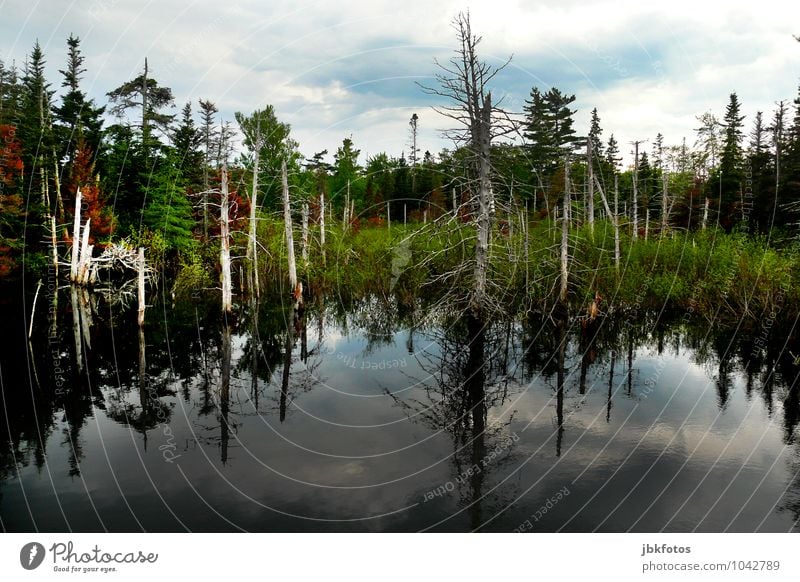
x=378 y=403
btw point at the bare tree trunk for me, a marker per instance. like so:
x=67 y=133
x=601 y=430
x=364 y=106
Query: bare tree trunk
x=345 y=221
x=664 y=203
x=484 y=203
x=54 y=243
x=646 y=223
x=616 y=222
x=85 y=261
x=388 y=216
x=252 y=247
x=305 y=235
x=612 y=215
x=590 y=195
x=705 y=214
x=525 y=226
x=57 y=183
x=141 y=266
x=287 y=222
x=567 y=209
x=635 y=191
x=225 y=248
x=322 y=224
x=76 y=238
x=564 y=253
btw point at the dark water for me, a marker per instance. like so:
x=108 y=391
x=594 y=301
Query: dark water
x=367 y=417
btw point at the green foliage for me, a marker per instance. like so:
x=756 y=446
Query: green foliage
x=193 y=274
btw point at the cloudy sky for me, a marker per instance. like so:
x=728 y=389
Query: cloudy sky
x=335 y=69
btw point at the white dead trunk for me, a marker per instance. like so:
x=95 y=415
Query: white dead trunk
x=616 y=222
x=141 y=267
x=225 y=248
x=564 y=253
x=86 y=255
x=664 y=203
x=322 y=224
x=636 y=192
x=54 y=243
x=612 y=215
x=705 y=214
x=590 y=200
x=483 y=222
x=76 y=237
x=287 y=222
x=305 y=235
x=252 y=247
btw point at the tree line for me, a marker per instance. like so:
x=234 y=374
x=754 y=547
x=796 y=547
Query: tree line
x=151 y=174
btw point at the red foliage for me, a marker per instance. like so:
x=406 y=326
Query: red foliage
x=93 y=201
x=238 y=207
x=11 y=209
x=10 y=157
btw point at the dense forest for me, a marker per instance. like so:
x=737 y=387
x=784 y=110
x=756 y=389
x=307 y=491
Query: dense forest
x=150 y=175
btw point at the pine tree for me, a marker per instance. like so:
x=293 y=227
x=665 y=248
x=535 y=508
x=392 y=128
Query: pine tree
x=790 y=172
x=537 y=133
x=727 y=182
x=762 y=177
x=595 y=131
x=613 y=159
x=35 y=135
x=186 y=140
x=77 y=115
x=146 y=94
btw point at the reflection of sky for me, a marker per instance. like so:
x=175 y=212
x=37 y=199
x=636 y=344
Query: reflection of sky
x=667 y=457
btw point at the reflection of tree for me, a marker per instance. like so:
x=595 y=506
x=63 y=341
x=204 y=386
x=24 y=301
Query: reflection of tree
x=307 y=377
x=457 y=400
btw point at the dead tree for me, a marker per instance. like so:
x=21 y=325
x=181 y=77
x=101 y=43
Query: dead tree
x=322 y=224
x=562 y=296
x=252 y=246
x=664 y=203
x=305 y=235
x=76 y=237
x=590 y=195
x=614 y=216
x=464 y=80
x=635 y=189
x=225 y=243
x=296 y=287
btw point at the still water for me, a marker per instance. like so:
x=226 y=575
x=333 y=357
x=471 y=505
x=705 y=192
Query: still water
x=360 y=415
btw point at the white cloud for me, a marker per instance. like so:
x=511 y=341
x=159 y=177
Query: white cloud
x=333 y=69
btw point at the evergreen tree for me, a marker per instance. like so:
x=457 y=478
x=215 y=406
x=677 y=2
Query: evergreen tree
x=613 y=159
x=77 y=115
x=347 y=171
x=537 y=133
x=276 y=146
x=186 y=141
x=762 y=177
x=146 y=94
x=728 y=182
x=167 y=210
x=790 y=164
x=595 y=131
